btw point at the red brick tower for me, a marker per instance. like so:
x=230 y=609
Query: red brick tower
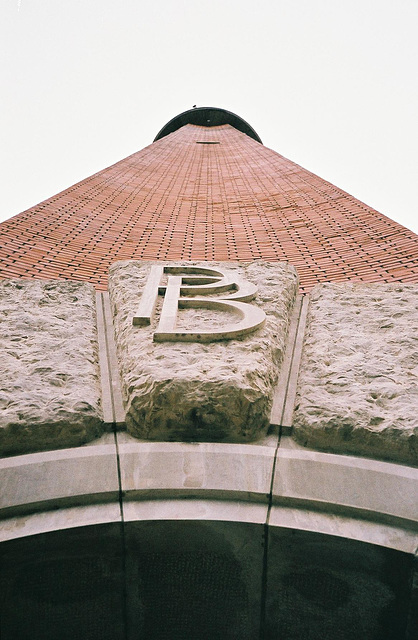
x=207 y=189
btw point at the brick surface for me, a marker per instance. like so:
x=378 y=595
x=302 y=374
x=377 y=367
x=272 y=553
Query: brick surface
x=236 y=200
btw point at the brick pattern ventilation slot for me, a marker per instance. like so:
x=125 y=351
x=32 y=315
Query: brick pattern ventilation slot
x=207 y=142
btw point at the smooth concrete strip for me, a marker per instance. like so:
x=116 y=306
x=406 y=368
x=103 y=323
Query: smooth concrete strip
x=57 y=520
x=215 y=510
x=221 y=471
x=385 y=535
x=51 y=479
x=107 y=404
x=287 y=419
x=280 y=392
x=118 y=407
x=346 y=484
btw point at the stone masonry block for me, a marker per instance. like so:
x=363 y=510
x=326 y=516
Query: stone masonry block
x=213 y=391
x=49 y=392
x=358 y=381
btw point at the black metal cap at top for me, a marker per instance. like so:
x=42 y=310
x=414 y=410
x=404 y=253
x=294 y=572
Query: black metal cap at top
x=207 y=117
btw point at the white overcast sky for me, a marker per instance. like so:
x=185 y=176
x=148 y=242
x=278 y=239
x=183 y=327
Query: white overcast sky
x=331 y=84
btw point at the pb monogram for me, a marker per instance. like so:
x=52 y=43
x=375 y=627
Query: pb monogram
x=232 y=294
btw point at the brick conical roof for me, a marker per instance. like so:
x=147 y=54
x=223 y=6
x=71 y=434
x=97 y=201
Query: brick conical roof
x=207 y=193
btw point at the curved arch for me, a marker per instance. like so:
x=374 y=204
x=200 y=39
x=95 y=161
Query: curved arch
x=199 y=538
x=207 y=117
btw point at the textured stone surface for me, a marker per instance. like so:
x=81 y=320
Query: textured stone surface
x=358 y=382
x=50 y=393
x=209 y=392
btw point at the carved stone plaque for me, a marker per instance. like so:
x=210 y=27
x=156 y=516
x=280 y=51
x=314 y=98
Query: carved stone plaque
x=200 y=346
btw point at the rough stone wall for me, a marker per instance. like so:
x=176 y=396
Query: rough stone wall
x=189 y=391
x=49 y=391
x=358 y=381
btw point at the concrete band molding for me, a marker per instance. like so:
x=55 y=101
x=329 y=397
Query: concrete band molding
x=285 y=486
